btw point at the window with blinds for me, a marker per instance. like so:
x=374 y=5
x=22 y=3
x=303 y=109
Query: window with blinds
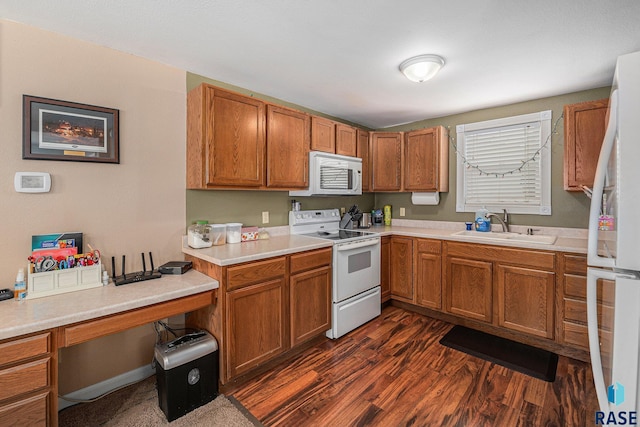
x=505 y=164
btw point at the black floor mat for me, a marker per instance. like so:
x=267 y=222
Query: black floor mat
x=523 y=358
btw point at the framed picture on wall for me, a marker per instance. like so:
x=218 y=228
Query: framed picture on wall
x=62 y=130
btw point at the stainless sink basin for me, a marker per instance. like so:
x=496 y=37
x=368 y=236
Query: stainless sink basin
x=512 y=237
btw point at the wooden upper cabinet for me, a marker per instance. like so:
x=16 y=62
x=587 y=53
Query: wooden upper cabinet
x=346 y=140
x=323 y=134
x=225 y=139
x=584 y=128
x=362 y=151
x=386 y=161
x=288 y=133
x=426 y=160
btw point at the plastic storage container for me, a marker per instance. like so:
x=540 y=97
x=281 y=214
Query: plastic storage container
x=234 y=232
x=218 y=234
x=199 y=235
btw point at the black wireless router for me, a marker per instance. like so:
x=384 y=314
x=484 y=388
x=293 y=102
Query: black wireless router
x=138 y=276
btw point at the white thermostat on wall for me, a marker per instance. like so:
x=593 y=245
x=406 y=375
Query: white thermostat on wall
x=32 y=182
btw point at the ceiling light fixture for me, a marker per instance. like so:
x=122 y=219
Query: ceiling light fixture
x=421 y=68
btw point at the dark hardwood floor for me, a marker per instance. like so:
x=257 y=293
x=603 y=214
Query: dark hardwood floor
x=393 y=372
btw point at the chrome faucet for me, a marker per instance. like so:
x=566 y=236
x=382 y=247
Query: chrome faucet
x=504 y=221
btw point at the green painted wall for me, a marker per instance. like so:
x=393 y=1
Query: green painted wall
x=569 y=209
x=220 y=206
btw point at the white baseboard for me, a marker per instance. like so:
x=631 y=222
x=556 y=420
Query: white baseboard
x=106 y=386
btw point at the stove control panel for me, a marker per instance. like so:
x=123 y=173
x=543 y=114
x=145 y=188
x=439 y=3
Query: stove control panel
x=313 y=217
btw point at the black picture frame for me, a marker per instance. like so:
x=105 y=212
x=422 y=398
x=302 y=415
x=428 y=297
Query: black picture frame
x=69 y=131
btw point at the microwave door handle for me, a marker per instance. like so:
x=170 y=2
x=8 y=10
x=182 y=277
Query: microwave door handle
x=358 y=182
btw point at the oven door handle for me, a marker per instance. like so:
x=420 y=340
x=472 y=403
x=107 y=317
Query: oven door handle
x=357 y=245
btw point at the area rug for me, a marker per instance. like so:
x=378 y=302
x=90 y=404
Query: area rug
x=137 y=406
x=523 y=358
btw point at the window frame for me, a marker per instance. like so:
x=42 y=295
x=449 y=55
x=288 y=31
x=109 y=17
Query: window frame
x=544 y=208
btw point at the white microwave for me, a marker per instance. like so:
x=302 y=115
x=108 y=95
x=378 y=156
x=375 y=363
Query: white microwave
x=332 y=175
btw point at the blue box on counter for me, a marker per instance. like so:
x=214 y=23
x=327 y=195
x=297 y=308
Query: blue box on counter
x=56 y=241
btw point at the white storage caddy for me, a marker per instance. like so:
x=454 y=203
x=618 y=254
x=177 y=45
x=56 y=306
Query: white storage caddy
x=61 y=281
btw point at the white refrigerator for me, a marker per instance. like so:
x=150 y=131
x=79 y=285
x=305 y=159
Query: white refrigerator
x=613 y=255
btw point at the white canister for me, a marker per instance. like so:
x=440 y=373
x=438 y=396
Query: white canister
x=234 y=232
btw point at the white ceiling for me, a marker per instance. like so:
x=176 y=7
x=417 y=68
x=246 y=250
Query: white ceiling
x=341 y=57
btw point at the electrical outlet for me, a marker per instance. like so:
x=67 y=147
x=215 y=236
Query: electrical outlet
x=402 y=212
x=265 y=217
x=343 y=211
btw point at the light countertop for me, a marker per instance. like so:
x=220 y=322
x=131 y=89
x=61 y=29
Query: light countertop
x=32 y=315
x=235 y=253
x=568 y=240
x=564 y=243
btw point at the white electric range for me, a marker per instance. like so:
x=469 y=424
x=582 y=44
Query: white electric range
x=356 y=267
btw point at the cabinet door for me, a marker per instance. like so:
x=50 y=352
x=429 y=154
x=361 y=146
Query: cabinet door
x=323 y=135
x=469 y=288
x=427 y=275
x=235 y=138
x=362 y=151
x=310 y=304
x=256 y=328
x=288 y=134
x=426 y=160
x=402 y=268
x=584 y=128
x=525 y=300
x=386 y=161
x=385 y=268
x=346 y=140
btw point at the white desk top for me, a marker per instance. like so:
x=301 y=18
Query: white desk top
x=33 y=315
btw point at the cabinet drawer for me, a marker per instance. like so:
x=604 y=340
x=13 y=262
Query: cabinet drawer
x=429 y=246
x=25 y=348
x=523 y=257
x=27 y=412
x=309 y=260
x=578 y=335
x=576 y=287
x=576 y=311
x=255 y=272
x=24 y=378
x=575 y=264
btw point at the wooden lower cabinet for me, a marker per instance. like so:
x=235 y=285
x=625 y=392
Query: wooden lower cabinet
x=572 y=306
x=28 y=367
x=402 y=268
x=266 y=308
x=525 y=300
x=469 y=285
x=506 y=287
x=427 y=274
x=256 y=325
x=310 y=304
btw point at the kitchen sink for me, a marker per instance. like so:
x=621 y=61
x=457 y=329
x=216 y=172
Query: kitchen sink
x=512 y=237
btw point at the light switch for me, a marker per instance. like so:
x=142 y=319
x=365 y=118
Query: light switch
x=402 y=212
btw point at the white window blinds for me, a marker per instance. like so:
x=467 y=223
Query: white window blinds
x=505 y=163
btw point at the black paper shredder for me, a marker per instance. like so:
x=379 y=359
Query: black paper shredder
x=186 y=373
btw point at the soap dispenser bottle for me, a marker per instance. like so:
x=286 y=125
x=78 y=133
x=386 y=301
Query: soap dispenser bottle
x=482 y=222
